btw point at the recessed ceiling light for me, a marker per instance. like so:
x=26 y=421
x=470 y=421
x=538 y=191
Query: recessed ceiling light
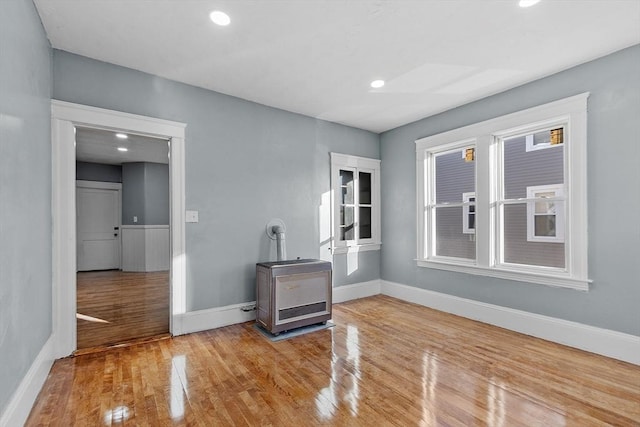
x=527 y=3
x=123 y=149
x=121 y=136
x=377 y=84
x=220 y=18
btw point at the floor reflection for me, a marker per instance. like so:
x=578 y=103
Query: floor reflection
x=495 y=405
x=503 y=406
x=116 y=415
x=429 y=382
x=178 y=386
x=345 y=377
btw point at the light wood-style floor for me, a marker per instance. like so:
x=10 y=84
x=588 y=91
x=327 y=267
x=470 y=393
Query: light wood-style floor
x=386 y=362
x=114 y=307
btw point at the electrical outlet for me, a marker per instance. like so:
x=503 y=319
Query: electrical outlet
x=135 y=219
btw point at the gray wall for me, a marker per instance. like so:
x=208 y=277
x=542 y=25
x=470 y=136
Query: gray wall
x=145 y=193
x=90 y=171
x=133 y=193
x=156 y=193
x=245 y=164
x=613 y=180
x=25 y=192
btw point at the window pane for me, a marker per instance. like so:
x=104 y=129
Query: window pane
x=545 y=208
x=518 y=250
x=454 y=176
x=364 y=187
x=346 y=187
x=365 y=223
x=346 y=215
x=471 y=221
x=524 y=168
x=347 y=233
x=450 y=239
x=545 y=225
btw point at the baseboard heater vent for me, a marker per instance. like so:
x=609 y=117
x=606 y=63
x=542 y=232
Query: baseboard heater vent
x=292 y=294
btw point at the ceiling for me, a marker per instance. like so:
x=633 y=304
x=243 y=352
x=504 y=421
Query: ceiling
x=101 y=146
x=317 y=57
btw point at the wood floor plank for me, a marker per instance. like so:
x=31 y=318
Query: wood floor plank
x=384 y=363
x=115 y=307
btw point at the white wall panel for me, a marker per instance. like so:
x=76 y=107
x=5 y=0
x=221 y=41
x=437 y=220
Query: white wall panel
x=145 y=248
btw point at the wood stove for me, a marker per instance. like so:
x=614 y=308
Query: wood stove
x=291 y=294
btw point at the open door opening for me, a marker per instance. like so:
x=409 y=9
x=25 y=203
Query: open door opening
x=65 y=117
x=122 y=237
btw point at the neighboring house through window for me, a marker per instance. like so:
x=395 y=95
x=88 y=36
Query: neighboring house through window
x=498 y=198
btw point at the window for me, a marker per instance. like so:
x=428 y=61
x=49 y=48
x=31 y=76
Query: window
x=545 y=215
x=469 y=213
x=355 y=203
x=498 y=198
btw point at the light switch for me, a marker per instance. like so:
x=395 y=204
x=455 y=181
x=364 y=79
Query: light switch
x=191 y=216
x=135 y=219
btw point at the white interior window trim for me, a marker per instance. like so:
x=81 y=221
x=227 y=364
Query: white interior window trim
x=357 y=165
x=573 y=112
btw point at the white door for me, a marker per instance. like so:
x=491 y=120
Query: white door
x=98 y=227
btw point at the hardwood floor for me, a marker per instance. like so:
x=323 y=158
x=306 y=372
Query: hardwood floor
x=386 y=362
x=114 y=307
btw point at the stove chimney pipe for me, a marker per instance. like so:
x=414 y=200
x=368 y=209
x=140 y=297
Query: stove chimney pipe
x=280 y=243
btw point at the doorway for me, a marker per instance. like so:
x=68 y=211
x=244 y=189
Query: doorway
x=122 y=223
x=65 y=117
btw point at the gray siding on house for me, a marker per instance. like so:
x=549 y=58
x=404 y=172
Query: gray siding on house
x=245 y=164
x=524 y=169
x=454 y=176
x=450 y=240
x=25 y=193
x=90 y=171
x=613 y=152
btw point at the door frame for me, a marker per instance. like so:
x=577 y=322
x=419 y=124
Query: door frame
x=112 y=186
x=64 y=117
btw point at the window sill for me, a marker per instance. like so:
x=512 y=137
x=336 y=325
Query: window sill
x=356 y=248
x=556 y=280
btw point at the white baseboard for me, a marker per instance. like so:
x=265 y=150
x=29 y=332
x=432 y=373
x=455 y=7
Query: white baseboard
x=601 y=341
x=355 y=291
x=22 y=401
x=201 y=320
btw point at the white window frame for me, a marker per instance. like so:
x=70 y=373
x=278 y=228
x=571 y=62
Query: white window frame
x=355 y=164
x=569 y=112
x=466 y=199
x=558 y=194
